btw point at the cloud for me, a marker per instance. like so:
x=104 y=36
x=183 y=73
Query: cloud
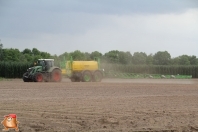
x=23 y=17
x=128 y=25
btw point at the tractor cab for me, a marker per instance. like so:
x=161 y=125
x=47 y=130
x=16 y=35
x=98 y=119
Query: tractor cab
x=45 y=63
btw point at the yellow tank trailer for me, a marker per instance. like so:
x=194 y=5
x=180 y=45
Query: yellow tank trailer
x=85 y=71
x=63 y=71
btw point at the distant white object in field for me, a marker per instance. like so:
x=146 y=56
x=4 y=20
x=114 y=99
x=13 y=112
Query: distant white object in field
x=172 y=76
x=150 y=76
x=162 y=76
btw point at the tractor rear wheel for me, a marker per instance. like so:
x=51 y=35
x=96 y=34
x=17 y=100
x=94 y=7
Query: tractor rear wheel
x=97 y=76
x=86 y=76
x=38 y=77
x=56 y=75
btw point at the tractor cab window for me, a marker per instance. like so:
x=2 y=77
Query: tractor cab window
x=49 y=64
x=40 y=63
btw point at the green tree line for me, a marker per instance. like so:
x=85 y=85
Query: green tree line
x=113 y=57
x=13 y=63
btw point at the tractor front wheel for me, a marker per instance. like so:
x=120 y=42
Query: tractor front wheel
x=56 y=75
x=38 y=77
x=24 y=78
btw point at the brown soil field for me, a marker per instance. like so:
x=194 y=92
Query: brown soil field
x=113 y=105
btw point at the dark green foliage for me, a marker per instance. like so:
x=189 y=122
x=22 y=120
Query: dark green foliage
x=27 y=51
x=112 y=56
x=27 y=55
x=11 y=54
x=162 y=58
x=14 y=63
x=35 y=51
x=78 y=55
x=95 y=54
x=13 y=69
x=124 y=57
x=1 y=51
x=139 y=58
x=117 y=57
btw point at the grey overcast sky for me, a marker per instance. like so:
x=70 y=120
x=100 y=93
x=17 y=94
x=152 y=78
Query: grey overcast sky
x=58 y=26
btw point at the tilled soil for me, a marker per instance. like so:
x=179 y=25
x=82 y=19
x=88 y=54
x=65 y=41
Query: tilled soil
x=113 y=105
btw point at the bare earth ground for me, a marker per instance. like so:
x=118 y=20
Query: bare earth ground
x=114 y=105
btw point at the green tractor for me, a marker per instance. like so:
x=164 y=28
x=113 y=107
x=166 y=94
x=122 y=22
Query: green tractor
x=43 y=71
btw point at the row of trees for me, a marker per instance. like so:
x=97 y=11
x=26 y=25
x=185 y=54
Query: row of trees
x=114 y=56
x=13 y=63
x=138 y=58
x=27 y=55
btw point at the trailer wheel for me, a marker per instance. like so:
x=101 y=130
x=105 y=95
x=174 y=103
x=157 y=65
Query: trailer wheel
x=75 y=79
x=38 y=77
x=56 y=75
x=97 y=76
x=86 y=76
